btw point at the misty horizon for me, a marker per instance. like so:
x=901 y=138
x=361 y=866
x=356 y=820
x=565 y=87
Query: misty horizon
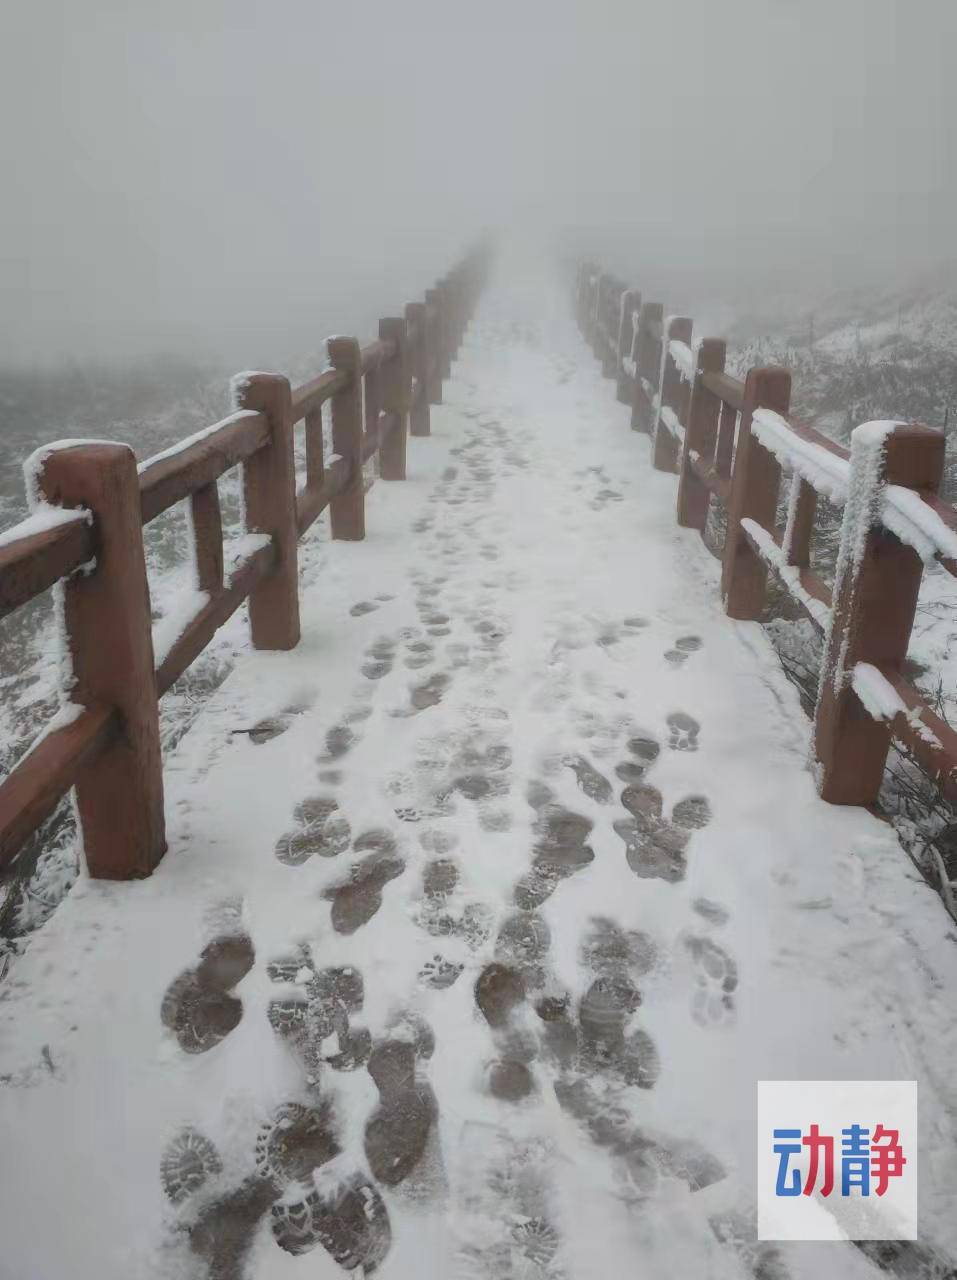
x=219 y=181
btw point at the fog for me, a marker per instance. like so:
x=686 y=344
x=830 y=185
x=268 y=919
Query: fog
x=230 y=178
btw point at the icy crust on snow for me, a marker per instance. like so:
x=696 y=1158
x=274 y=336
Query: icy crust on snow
x=684 y=359
x=43 y=519
x=789 y=574
x=198 y=436
x=882 y=701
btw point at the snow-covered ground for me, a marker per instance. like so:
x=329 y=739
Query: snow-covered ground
x=466 y=962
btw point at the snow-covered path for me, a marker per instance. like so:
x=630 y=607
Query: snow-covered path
x=466 y=962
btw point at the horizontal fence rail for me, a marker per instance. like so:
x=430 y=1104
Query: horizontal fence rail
x=735 y=442
x=85 y=540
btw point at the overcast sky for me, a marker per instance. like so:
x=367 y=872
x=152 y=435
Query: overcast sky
x=228 y=176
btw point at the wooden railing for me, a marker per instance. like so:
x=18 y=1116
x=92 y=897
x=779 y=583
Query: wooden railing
x=85 y=539
x=732 y=442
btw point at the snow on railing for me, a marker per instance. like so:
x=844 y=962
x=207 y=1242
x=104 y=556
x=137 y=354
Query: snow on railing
x=907 y=515
x=238 y=415
x=870 y=608
x=672 y=422
x=123 y=660
x=881 y=700
x=789 y=574
x=825 y=471
x=684 y=359
x=902 y=511
x=44 y=518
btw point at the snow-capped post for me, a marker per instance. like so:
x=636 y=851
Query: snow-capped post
x=755 y=482
x=701 y=436
x=671 y=398
x=419 y=424
x=347 y=509
x=395 y=386
x=876 y=582
x=647 y=365
x=630 y=303
x=109 y=641
x=269 y=499
x=433 y=346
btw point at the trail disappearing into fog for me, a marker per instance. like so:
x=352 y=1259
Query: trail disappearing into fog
x=466 y=959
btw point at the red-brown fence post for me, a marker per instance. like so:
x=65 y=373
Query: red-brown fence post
x=433 y=346
x=630 y=303
x=395 y=383
x=580 y=278
x=647 y=365
x=875 y=595
x=107 y=620
x=755 y=482
x=269 y=494
x=598 y=302
x=419 y=424
x=701 y=435
x=445 y=329
x=347 y=509
x=671 y=396
x=586 y=301
x=607 y=352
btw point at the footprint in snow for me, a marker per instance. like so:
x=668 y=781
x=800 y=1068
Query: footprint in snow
x=442 y=912
x=684 y=647
x=380 y=657
x=398 y=1131
x=560 y=850
x=346 y=1216
x=314 y=1014
x=683 y=731
x=716 y=979
x=320 y=829
x=198 y=1006
x=356 y=899
x=654 y=847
